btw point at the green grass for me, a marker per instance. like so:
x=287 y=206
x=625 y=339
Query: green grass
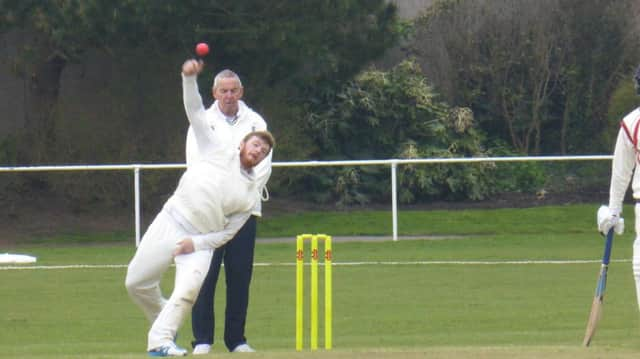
x=551 y=219
x=411 y=308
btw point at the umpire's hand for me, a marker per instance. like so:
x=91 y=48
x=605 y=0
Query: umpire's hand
x=185 y=246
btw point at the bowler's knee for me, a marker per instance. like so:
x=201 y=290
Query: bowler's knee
x=189 y=290
x=133 y=285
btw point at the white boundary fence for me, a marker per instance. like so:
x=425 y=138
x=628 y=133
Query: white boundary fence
x=392 y=163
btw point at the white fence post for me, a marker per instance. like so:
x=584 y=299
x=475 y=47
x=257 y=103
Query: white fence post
x=394 y=199
x=136 y=199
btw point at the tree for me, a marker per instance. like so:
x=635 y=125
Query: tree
x=288 y=49
x=276 y=43
x=603 y=52
x=537 y=74
x=394 y=114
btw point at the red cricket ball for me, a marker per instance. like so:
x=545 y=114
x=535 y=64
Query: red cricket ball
x=202 y=49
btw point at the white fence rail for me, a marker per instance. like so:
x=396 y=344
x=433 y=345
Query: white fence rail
x=392 y=163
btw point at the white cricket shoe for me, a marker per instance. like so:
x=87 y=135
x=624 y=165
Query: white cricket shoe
x=202 y=349
x=168 y=350
x=243 y=348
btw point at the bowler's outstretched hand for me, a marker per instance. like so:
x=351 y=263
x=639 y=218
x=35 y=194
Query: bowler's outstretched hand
x=185 y=246
x=192 y=67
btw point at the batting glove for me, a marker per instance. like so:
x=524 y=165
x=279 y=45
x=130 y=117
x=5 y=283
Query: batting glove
x=607 y=219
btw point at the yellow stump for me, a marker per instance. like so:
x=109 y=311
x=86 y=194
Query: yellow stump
x=299 y=291
x=314 y=293
x=328 y=290
x=313 y=312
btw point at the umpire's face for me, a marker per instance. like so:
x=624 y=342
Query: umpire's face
x=228 y=92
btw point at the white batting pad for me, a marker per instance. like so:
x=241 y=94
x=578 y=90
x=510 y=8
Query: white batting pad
x=16 y=258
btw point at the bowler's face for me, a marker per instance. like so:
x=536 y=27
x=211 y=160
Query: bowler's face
x=228 y=93
x=253 y=151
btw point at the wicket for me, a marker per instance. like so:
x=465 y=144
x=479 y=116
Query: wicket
x=313 y=314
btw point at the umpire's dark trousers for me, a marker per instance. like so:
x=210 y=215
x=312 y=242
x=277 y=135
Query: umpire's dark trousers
x=237 y=255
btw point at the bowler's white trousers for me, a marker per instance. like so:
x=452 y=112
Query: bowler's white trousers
x=153 y=257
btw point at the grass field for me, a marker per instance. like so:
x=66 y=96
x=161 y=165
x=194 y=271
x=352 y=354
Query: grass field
x=512 y=284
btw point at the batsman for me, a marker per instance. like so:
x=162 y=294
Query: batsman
x=624 y=170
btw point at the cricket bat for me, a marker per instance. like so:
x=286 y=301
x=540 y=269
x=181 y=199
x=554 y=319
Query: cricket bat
x=598 y=299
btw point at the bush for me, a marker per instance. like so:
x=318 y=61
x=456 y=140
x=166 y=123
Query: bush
x=396 y=114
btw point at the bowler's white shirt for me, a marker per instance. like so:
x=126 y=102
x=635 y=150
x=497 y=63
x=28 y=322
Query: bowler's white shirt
x=215 y=195
x=230 y=135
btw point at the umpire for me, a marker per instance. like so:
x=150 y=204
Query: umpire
x=230 y=119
